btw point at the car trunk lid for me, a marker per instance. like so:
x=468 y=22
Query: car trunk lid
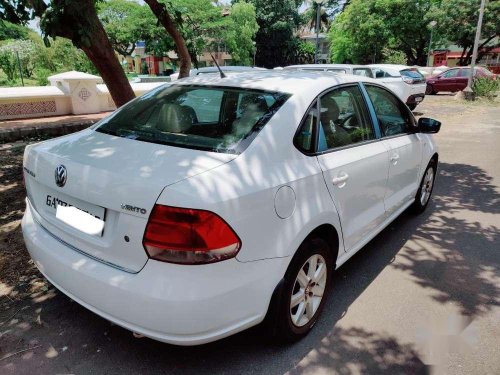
x=115 y=179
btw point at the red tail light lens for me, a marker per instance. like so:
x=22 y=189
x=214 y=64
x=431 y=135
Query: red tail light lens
x=189 y=236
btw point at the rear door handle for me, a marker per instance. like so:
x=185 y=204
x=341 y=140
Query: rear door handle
x=341 y=179
x=394 y=158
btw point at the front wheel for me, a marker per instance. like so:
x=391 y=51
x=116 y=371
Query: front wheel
x=429 y=90
x=424 y=192
x=412 y=106
x=306 y=284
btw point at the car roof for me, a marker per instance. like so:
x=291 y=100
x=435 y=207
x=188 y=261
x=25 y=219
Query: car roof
x=325 y=66
x=291 y=81
x=210 y=69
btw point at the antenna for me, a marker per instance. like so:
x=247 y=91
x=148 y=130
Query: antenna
x=222 y=75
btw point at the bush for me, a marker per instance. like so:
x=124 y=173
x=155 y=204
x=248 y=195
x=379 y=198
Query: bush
x=486 y=87
x=41 y=76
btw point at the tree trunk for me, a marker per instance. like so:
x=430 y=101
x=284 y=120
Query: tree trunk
x=168 y=23
x=79 y=22
x=102 y=55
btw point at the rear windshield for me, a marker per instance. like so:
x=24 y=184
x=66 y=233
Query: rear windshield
x=412 y=73
x=218 y=119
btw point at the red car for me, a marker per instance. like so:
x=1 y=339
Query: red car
x=454 y=79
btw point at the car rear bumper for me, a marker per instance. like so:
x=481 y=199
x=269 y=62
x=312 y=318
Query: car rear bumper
x=182 y=305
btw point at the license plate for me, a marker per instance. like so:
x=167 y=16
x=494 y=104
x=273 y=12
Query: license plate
x=52 y=201
x=418 y=99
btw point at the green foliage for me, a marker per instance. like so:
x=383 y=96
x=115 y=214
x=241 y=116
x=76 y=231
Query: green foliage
x=366 y=27
x=394 y=57
x=42 y=75
x=17 y=52
x=276 y=42
x=457 y=22
x=126 y=22
x=11 y=31
x=486 y=87
x=305 y=52
x=240 y=33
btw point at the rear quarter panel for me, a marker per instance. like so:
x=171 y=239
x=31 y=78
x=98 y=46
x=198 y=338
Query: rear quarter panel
x=243 y=191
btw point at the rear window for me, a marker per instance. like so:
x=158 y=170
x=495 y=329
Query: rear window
x=411 y=73
x=198 y=117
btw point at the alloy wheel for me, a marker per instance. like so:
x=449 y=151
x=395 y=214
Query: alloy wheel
x=308 y=290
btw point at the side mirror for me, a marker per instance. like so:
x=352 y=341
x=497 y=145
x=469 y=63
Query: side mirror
x=428 y=125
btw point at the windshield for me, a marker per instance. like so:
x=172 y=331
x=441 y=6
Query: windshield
x=218 y=119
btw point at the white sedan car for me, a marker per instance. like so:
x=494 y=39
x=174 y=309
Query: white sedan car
x=407 y=82
x=214 y=204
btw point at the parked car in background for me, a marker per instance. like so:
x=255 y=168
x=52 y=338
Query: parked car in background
x=407 y=82
x=214 y=70
x=358 y=70
x=212 y=204
x=454 y=79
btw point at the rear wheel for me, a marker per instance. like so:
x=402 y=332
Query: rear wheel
x=424 y=192
x=306 y=284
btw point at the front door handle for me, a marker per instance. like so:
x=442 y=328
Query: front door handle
x=341 y=179
x=394 y=158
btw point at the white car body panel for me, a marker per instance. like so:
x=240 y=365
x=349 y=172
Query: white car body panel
x=396 y=83
x=272 y=195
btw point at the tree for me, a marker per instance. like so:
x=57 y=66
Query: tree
x=77 y=21
x=9 y=30
x=240 y=32
x=306 y=52
x=9 y=53
x=275 y=41
x=126 y=22
x=170 y=24
x=368 y=27
x=358 y=34
x=457 y=23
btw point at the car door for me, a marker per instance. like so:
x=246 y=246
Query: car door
x=353 y=160
x=447 y=81
x=397 y=126
x=462 y=79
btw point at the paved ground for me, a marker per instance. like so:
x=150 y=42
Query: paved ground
x=422 y=297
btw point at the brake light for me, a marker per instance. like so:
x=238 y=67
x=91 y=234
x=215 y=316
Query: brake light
x=189 y=236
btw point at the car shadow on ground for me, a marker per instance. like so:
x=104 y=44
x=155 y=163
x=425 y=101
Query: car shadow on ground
x=458 y=267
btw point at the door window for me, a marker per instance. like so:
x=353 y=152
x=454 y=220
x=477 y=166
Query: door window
x=392 y=115
x=452 y=73
x=304 y=138
x=344 y=119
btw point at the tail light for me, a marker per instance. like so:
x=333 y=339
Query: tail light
x=408 y=80
x=189 y=236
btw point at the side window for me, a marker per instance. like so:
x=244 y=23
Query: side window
x=304 y=138
x=336 y=70
x=344 y=119
x=365 y=72
x=465 y=72
x=379 y=73
x=392 y=115
x=451 y=73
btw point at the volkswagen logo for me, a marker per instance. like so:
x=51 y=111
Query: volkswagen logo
x=61 y=175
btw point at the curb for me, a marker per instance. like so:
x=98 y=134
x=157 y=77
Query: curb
x=47 y=130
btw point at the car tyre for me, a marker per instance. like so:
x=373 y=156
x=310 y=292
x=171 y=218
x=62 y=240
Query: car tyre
x=303 y=292
x=412 y=106
x=429 y=90
x=424 y=191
